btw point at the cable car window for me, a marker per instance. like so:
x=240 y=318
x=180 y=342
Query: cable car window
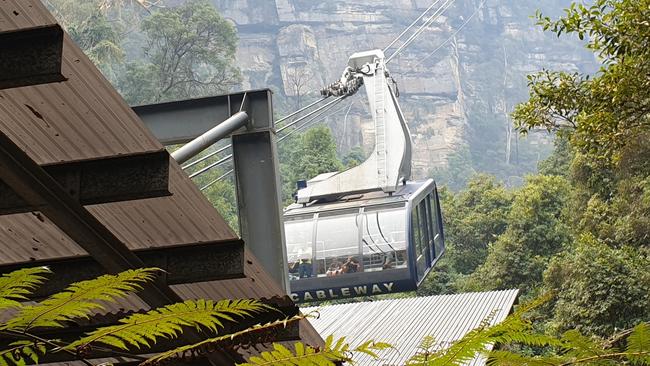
x=337 y=245
x=384 y=238
x=299 y=237
x=438 y=240
x=431 y=228
x=418 y=239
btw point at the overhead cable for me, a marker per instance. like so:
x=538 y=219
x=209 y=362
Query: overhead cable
x=320 y=109
x=300 y=127
x=326 y=106
x=216 y=180
x=207 y=156
x=452 y=36
x=300 y=110
x=215 y=164
x=411 y=25
x=193 y=163
x=422 y=28
x=305 y=124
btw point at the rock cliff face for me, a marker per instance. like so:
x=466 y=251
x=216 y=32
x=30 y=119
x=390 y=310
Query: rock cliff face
x=455 y=99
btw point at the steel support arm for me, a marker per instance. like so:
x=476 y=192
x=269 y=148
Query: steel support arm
x=182 y=121
x=255 y=161
x=220 y=131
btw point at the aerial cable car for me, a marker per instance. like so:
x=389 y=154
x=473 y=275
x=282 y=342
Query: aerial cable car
x=367 y=230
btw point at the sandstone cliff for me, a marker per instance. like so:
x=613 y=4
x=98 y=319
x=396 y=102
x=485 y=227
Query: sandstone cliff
x=456 y=99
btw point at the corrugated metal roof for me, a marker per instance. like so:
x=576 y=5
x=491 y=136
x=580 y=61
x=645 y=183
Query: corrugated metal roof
x=85 y=118
x=405 y=322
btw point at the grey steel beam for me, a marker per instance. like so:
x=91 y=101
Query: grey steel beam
x=209 y=138
x=182 y=121
x=259 y=199
x=189 y=263
x=31 y=56
x=121 y=178
x=255 y=160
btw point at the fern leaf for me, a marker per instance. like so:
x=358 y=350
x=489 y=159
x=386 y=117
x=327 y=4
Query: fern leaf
x=80 y=300
x=638 y=345
x=22 y=352
x=334 y=351
x=371 y=348
x=302 y=355
x=579 y=346
x=142 y=330
x=466 y=348
x=198 y=348
x=505 y=358
x=17 y=285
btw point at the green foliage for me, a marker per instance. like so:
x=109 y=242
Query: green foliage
x=600 y=279
x=607 y=110
x=638 y=344
x=190 y=52
x=514 y=329
x=473 y=219
x=222 y=196
x=458 y=172
x=142 y=330
x=559 y=162
x=599 y=288
x=536 y=231
x=99 y=40
x=79 y=300
x=207 y=345
x=333 y=351
x=517 y=330
x=15 y=286
x=353 y=158
x=305 y=156
x=21 y=352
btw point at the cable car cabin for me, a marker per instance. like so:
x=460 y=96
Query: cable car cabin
x=364 y=244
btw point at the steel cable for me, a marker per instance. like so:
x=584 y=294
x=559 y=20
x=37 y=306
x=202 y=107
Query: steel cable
x=300 y=127
x=411 y=25
x=422 y=28
x=452 y=36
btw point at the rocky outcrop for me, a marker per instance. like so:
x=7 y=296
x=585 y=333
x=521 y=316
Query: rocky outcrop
x=460 y=93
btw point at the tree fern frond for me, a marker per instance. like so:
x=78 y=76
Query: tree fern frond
x=638 y=345
x=302 y=355
x=140 y=330
x=15 y=286
x=506 y=358
x=370 y=348
x=80 y=300
x=579 y=346
x=335 y=350
x=426 y=349
x=527 y=338
x=462 y=350
x=207 y=345
x=20 y=352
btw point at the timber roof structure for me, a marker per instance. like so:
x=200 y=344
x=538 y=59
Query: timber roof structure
x=79 y=132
